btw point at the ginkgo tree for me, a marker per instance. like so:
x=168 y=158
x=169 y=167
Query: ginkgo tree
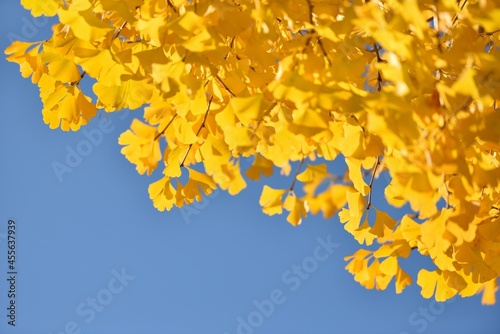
x=406 y=88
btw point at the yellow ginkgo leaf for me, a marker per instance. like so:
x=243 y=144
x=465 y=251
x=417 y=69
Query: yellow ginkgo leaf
x=163 y=194
x=260 y=165
x=402 y=280
x=64 y=70
x=411 y=230
x=85 y=24
x=313 y=173
x=489 y=290
x=356 y=263
x=124 y=8
x=466 y=85
x=203 y=41
x=130 y=94
x=351 y=216
x=382 y=222
x=42 y=7
x=310 y=123
x=356 y=175
x=26 y=54
x=248 y=109
x=296 y=208
x=352 y=140
x=173 y=159
x=66 y=106
x=271 y=200
x=427 y=280
x=362 y=234
x=101 y=64
x=329 y=201
x=389 y=266
x=234 y=181
x=199 y=184
x=433 y=281
x=141 y=147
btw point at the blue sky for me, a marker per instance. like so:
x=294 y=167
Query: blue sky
x=94 y=256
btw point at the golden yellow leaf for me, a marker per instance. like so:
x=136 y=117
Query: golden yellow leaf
x=199 y=184
x=235 y=181
x=101 y=64
x=363 y=235
x=162 y=193
x=141 y=147
x=356 y=175
x=489 y=292
x=433 y=281
x=64 y=70
x=131 y=94
x=296 y=208
x=42 y=7
x=26 y=54
x=248 y=109
x=330 y=201
x=260 y=165
x=84 y=23
x=411 y=230
x=382 y=222
x=174 y=158
x=389 y=266
x=351 y=216
x=271 y=200
x=402 y=280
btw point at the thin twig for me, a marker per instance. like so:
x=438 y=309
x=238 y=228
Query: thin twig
x=226 y=87
x=448 y=193
x=311 y=7
x=172 y=6
x=166 y=127
x=199 y=130
x=117 y=32
x=437 y=27
x=320 y=42
x=77 y=82
x=455 y=18
x=267 y=112
x=377 y=163
x=296 y=173
x=379 y=75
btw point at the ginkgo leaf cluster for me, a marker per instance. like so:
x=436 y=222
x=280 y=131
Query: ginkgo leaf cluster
x=409 y=89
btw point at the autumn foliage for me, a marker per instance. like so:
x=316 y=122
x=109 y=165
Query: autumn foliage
x=410 y=89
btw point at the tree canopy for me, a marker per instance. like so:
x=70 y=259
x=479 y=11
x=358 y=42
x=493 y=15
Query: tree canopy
x=409 y=89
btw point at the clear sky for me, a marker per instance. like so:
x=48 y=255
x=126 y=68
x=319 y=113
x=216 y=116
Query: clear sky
x=94 y=256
